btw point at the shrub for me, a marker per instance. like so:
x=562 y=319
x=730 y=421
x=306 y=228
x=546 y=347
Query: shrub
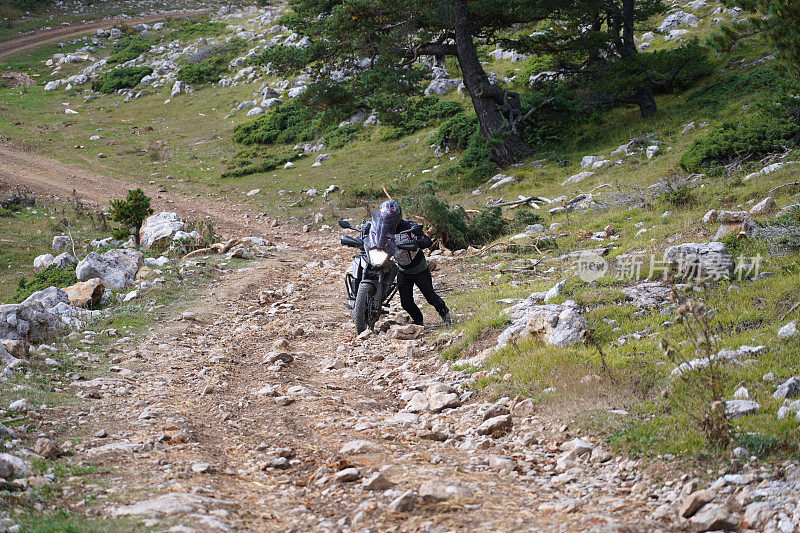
x=525 y=217
x=415 y=116
x=681 y=196
x=131 y=212
x=267 y=163
x=455 y=132
x=127 y=49
x=120 y=78
x=476 y=162
x=486 y=226
x=207 y=71
x=451 y=225
x=753 y=137
x=202 y=29
x=341 y=136
x=290 y=122
x=286 y=57
x=51 y=276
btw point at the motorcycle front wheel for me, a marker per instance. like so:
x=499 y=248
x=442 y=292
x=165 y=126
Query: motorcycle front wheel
x=361 y=310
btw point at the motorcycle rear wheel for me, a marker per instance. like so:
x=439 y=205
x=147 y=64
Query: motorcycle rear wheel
x=362 y=308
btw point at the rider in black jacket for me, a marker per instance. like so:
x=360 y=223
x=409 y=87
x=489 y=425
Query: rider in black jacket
x=416 y=272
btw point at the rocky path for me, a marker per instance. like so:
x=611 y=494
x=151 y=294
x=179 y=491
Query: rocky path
x=261 y=411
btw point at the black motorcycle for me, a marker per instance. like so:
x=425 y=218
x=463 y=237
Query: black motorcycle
x=371 y=285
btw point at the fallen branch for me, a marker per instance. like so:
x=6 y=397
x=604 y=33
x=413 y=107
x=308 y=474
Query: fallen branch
x=529 y=200
x=790 y=184
x=789 y=312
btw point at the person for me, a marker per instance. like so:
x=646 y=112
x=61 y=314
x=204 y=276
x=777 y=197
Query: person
x=413 y=268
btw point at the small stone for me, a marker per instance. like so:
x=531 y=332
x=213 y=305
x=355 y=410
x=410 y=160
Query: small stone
x=435 y=491
x=788 y=389
x=284 y=400
x=201 y=468
x=714 y=518
x=101 y=434
x=347 y=475
x=500 y=462
x=19 y=406
x=403 y=503
x=358 y=447
x=494 y=425
x=577 y=446
x=741 y=394
x=789 y=331
x=694 y=501
x=376 y=481
x=47 y=448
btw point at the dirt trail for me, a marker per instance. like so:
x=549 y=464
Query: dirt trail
x=38 y=38
x=234 y=419
x=49 y=177
x=242 y=443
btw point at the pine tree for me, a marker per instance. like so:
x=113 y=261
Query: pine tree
x=778 y=20
x=377 y=46
x=131 y=212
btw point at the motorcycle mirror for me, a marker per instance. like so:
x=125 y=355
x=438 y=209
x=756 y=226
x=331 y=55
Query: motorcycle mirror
x=345 y=224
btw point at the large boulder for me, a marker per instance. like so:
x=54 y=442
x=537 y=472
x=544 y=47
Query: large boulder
x=49 y=297
x=676 y=20
x=85 y=293
x=556 y=325
x=441 y=86
x=117 y=268
x=700 y=260
x=28 y=321
x=160 y=229
x=62 y=260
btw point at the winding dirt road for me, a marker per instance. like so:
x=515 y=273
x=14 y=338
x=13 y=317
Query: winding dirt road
x=48 y=177
x=38 y=38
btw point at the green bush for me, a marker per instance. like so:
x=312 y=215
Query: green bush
x=752 y=137
x=286 y=57
x=289 y=122
x=680 y=196
x=265 y=163
x=476 y=162
x=456 y=131
x=486 y=226
x=120 y=78
x=128 y=48
x=525 y=217
x=416 y=115
x=718 y=94
x=51 y=276
x=202 y=29
x=452 y=226
x=340 y=137
x=207 y=71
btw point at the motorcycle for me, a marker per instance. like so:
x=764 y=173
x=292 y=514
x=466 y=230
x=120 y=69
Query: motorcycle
x=372 y=283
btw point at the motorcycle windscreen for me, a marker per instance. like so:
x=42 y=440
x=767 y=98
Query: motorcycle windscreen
x=382 y=232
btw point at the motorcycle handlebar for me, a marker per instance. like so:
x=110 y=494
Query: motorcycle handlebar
x=347 y=240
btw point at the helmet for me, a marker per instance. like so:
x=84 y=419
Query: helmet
x=391 y=210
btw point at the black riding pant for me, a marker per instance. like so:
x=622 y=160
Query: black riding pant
x=423 y=280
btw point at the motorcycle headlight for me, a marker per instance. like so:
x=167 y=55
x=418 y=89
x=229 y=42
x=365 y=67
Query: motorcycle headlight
x=378 y=257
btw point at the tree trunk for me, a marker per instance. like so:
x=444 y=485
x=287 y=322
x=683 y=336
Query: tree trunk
x=136 y=237
x=499 y=111
x=643 y=97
